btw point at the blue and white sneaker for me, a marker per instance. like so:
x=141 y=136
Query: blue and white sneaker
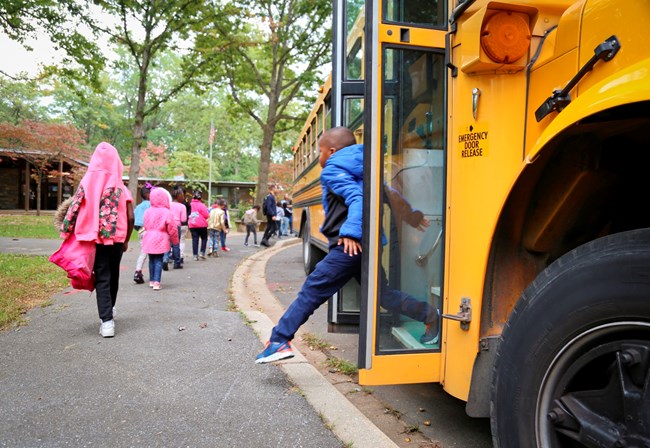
x=274 y=351
x=432 y=330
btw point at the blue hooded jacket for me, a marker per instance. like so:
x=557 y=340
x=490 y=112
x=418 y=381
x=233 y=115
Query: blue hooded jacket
x=342 y=182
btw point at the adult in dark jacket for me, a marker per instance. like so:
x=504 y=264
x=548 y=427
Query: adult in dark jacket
x=270 y=211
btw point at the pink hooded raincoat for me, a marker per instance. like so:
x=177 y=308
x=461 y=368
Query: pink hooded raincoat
x=97 y=215
x=159 y=224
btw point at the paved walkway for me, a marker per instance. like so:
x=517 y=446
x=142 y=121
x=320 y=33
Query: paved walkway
x=179 y=371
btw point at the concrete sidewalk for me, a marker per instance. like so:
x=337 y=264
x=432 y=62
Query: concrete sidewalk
x=179 y=371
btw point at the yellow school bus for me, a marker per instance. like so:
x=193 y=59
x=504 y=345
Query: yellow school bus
x=307 y=209
x=521 y=131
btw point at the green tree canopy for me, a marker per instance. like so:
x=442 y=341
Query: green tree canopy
x=268 y=52
x=62 y=21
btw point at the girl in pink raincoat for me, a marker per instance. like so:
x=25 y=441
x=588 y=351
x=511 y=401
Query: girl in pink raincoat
x=160 y=227
x=100 y=212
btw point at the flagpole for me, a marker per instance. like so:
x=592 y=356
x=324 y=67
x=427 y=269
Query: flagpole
x=210 y=175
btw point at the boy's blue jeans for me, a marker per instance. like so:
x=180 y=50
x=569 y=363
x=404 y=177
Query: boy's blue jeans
x=175 y=252
x=215 y=239
x=330 y=275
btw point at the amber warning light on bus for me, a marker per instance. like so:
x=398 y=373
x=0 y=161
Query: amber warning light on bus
x=505 y=36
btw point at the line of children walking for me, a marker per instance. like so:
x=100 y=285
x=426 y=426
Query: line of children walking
x=208 y=227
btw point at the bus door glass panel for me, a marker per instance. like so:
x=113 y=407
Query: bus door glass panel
x=412 y=199
x=354 y=30
x=353 y=113
x=426 y=13
x=344 y=308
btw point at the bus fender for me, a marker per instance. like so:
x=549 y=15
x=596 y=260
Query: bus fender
x=627 y=86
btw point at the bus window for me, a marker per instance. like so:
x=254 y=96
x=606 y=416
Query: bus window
x=412 y=197
x=314 y=140
x=353 y=112
x=353 y=61
x=416 y=12
x=354 y=28
x=296 y=156
x=319 y=120
x=328 y=115
x=308 y=148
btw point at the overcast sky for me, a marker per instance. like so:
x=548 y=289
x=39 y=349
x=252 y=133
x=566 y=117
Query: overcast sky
x=16 y=59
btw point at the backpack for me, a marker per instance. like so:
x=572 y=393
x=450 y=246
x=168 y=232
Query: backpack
x=249 y=217
x=265 y=210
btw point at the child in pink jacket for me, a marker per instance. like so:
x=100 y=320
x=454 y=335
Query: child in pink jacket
x=97 y=223
x=159 y=227
x=198 y=224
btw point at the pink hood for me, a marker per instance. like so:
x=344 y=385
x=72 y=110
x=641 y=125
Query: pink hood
x=159 y=197
x=159 y=223
x=104 y=174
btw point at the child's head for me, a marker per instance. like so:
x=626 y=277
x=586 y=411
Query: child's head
x=197 y=194
x=179 y=193
x=160 y=197
x=144 y=193
x=333 y=140
x=221 y=203
x=256 y=207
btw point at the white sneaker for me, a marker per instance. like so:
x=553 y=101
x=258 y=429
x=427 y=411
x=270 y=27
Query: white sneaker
x=107 y=329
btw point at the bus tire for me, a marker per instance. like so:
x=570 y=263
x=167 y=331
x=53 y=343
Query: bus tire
x=311 y=255
x=573 y=366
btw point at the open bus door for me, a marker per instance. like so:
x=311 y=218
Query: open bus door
x=348 y=85
x=405 y=158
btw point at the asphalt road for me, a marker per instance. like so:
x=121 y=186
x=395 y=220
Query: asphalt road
x=450 y=425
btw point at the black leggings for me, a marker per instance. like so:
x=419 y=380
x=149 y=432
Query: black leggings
x=107 y=277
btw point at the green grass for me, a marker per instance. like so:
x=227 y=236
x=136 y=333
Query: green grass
x=314 y=342
x=343 y=366
x=26 y=282
x=32 y=226
x=28 y=226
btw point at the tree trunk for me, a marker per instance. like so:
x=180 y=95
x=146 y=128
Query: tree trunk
x=26 y=186
x=138 y=137
x=138 y=127
x=266 y=148
x=38 y=192
x=265 y=161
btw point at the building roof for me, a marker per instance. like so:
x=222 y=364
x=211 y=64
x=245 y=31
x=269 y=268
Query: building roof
x=18 y=153
x=226 y=183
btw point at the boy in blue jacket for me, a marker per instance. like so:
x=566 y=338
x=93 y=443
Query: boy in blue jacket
x=342 y=187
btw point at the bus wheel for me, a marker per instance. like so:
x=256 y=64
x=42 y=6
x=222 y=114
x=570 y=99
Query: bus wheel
x=311 y=255
x=573 y=366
